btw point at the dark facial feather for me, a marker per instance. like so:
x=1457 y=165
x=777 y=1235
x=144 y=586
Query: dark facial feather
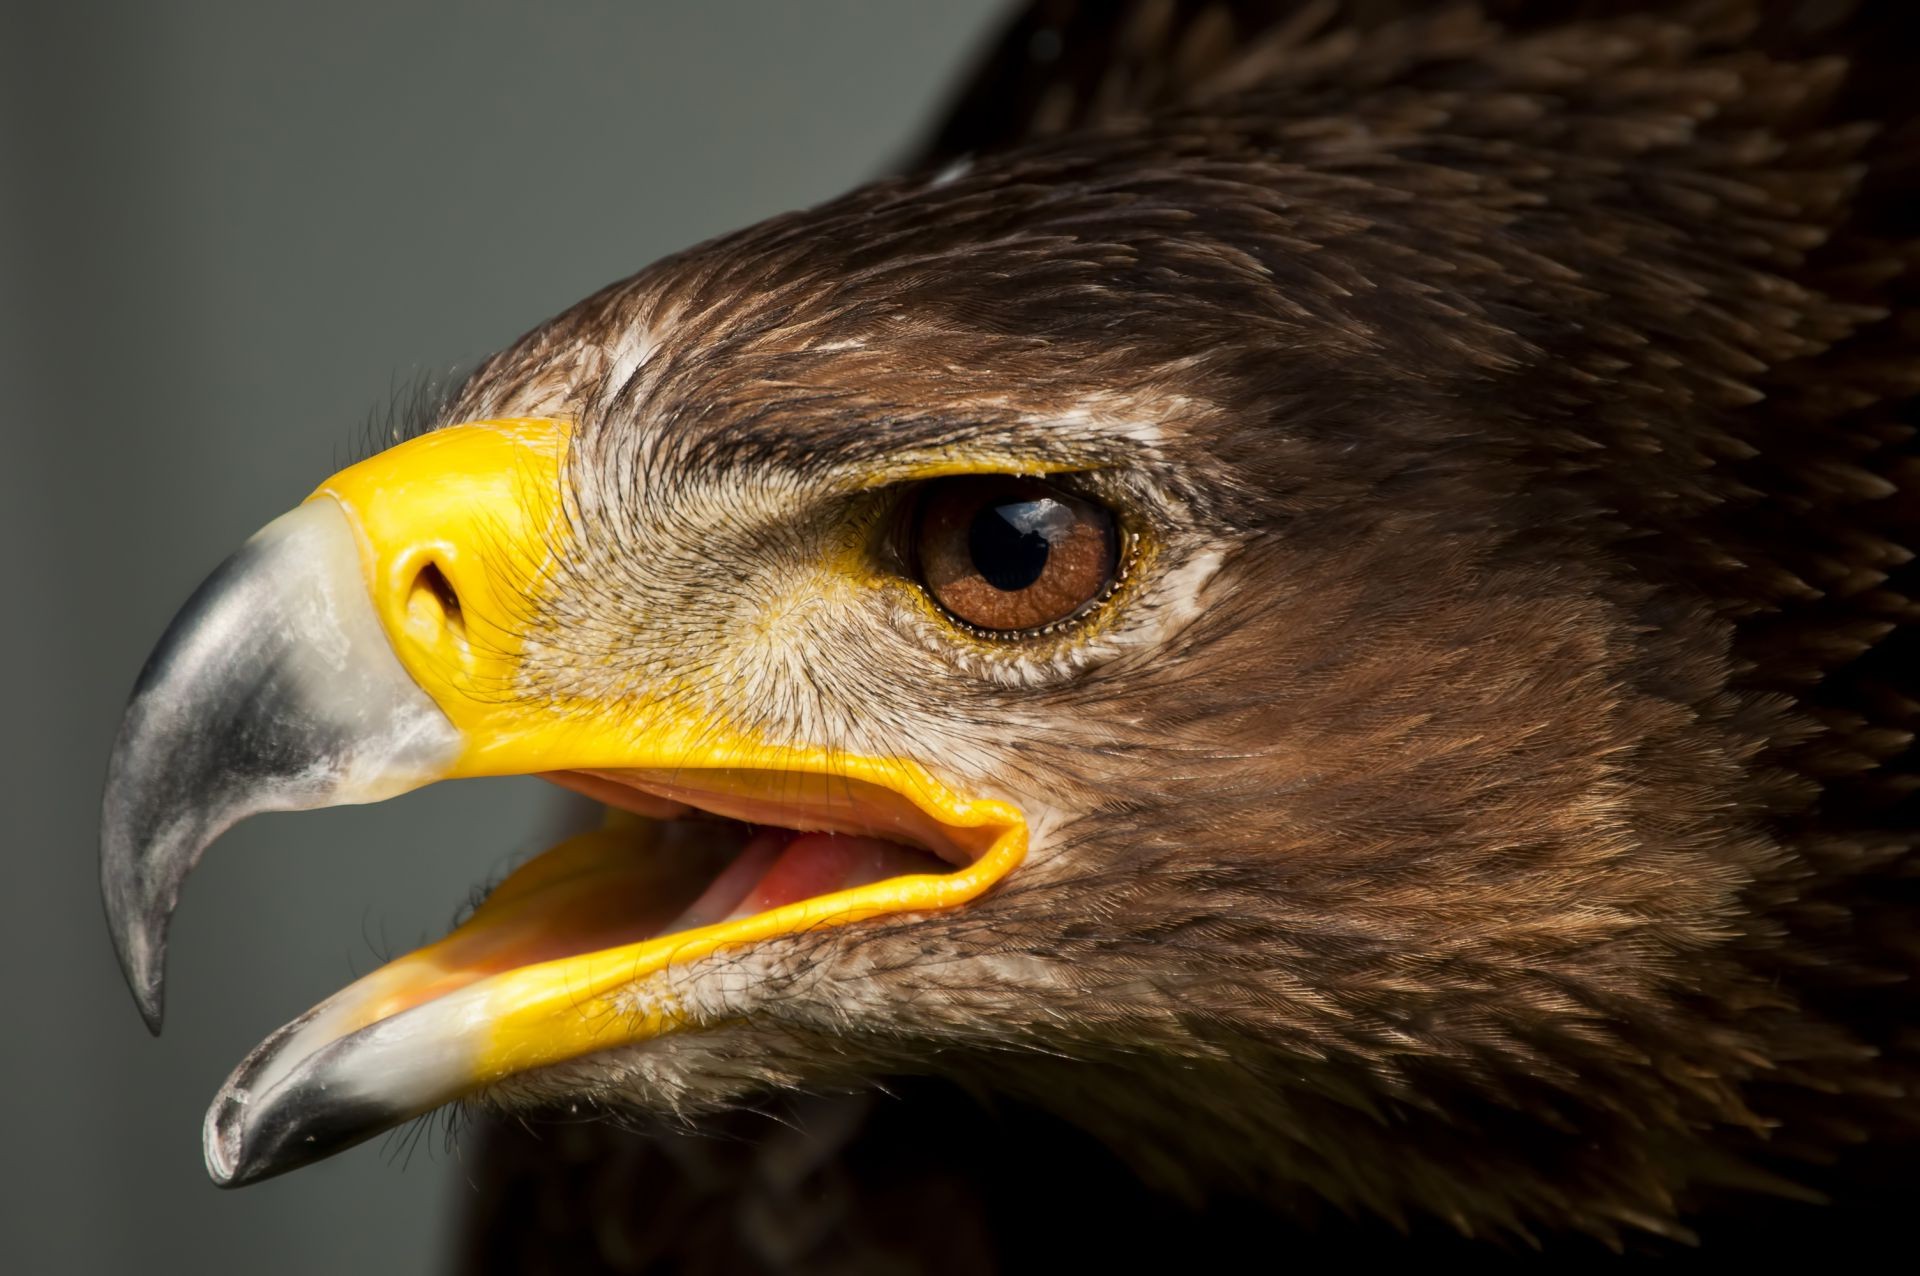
x=1500 y=804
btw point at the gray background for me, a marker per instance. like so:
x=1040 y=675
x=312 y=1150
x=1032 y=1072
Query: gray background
x=226 y=232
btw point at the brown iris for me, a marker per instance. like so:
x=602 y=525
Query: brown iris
x=1010 y=554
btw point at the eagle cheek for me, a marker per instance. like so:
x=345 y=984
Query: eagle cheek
x=1409 y=817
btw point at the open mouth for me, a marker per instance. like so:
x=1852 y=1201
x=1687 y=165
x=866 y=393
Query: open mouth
x=556 y=961
x=334 y=659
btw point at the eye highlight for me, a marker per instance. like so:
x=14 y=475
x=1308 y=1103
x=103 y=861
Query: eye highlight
x=1007 y=555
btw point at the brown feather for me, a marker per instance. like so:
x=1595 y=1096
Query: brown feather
x=1518 y=833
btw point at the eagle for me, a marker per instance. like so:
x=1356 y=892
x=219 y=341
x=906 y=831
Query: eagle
x=1298 y=640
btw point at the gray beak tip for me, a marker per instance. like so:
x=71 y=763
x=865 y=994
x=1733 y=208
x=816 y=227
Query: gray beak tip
x=139 y=937
x=151 y=1000
x=220 y=1141
x=284 y=1107
x=149 y=994
x=274 y=689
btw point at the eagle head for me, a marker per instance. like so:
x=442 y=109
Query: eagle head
x=1234 y=629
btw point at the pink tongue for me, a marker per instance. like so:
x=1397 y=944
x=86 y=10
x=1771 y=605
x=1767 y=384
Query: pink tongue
x=779 y=866
x=821 y=863
x=722 y=897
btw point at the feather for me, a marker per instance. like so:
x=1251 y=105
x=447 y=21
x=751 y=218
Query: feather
x=1492 y=808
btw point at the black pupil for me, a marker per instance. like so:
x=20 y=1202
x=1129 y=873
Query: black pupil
x=1010 y=540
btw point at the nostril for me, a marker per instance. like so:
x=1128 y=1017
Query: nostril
x=433 y=592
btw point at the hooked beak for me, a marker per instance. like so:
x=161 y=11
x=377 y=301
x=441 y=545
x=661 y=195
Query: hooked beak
x=373 y=640
x=273 y=690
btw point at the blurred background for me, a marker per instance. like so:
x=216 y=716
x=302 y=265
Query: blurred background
x=231 y=233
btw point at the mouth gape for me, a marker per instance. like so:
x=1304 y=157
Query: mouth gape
x=689 y=855
x=565 y=956
x=744 y=866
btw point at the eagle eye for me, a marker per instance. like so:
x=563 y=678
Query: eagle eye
x=1008 y=555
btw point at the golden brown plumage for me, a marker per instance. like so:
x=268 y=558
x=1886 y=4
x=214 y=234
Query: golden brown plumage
x=1484 y=804
x=1521 y=833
